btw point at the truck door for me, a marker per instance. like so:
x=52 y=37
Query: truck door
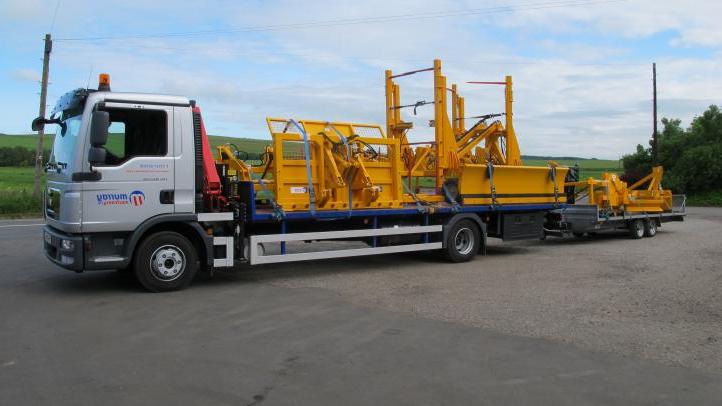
x=137 y=180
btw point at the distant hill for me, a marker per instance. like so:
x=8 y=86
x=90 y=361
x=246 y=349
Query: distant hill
x=27 y=140
x=30 y=141
x=256 y=146
x=566 y=158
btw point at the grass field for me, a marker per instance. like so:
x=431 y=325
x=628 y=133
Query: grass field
x=30 y=141
x=16 y=193
x=256 y=146
x=587 y=167
x=26 y=141
x=16 y=183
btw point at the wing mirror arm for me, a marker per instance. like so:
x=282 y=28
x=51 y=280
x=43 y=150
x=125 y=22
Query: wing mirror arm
x=38 y=124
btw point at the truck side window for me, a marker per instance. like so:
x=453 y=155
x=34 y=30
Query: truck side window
x=135 y=132
x=116 y=139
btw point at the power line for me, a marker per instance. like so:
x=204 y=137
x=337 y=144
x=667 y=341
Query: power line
x=314 y=55
x=355 y=21
x=55 y=15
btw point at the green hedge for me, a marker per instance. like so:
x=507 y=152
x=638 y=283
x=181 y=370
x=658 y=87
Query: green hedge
x=18 y=156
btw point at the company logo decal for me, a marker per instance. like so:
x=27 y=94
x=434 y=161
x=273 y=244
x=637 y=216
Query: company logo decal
x=134 y=198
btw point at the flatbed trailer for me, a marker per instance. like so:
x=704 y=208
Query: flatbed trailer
x=404 y=229
x=580 y=219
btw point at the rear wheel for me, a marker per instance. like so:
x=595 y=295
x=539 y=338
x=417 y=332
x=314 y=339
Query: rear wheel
x=165 y=261
x=636 y=229
x=462 y=241
x=650 y=228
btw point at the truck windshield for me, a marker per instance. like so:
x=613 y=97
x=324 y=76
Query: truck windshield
x=61 y=157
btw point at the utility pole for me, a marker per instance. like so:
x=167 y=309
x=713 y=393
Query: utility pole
x=43 y=99
x=654 y=134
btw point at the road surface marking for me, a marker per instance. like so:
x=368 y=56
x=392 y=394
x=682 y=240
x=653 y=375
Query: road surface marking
x=22 y=225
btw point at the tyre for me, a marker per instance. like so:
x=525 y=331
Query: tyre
x=650 y=228
x=636 y=229
x=462 y=241
x=165 y=261
x=578 y=235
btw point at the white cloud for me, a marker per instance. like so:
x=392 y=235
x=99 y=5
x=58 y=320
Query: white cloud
x=25 y=75
x=336 y=73
x=694 y=22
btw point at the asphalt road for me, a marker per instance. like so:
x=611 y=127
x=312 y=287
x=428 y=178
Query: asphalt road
x=299 y=334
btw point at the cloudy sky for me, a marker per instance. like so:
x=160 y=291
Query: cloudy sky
x=582 y=68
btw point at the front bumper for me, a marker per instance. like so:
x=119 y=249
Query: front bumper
x=68 y=257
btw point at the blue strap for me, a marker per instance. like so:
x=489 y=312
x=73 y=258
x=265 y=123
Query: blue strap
x=307 y=153
x=419 y=206
x=343 y=139
x=454 y=205
x=490 y=174
x=553 y=175
x=348 y=157
x=277 y=210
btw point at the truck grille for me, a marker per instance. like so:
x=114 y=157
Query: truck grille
x=52 y=203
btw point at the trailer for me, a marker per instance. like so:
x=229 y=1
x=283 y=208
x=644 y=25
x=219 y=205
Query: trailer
x=133 y=184
x=610 y=204
x=579 y=220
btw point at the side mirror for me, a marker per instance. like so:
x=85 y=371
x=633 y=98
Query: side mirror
x=99 y=124
x=38 y=124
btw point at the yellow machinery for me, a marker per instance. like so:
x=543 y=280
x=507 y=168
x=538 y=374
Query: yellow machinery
x=344 y=169
x=611 y=194
x=322 y=165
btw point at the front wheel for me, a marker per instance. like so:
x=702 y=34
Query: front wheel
x=462 y=241
x=165 y=261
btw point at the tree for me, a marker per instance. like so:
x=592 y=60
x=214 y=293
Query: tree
x=692 y=157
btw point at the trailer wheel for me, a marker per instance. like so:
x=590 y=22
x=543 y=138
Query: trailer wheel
x=462 y=241
x=636 y=229
x=650 y=228
x=165 y=261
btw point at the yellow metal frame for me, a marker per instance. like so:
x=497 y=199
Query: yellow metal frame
x=349 y=169
x=335 y=166
x=612 y=194
x=457 y=152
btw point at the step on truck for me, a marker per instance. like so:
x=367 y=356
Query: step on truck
x=133 y=184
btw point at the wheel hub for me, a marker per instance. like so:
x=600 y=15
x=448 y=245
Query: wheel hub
x=167 y=263
x=464 y=241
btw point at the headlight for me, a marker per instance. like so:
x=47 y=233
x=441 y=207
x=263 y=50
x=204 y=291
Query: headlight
x=67 y=245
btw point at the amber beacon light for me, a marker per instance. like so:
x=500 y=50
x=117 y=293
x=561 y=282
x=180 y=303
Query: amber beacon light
x=104 y=82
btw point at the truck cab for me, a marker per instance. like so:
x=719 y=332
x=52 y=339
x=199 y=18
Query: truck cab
x=120 y=164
